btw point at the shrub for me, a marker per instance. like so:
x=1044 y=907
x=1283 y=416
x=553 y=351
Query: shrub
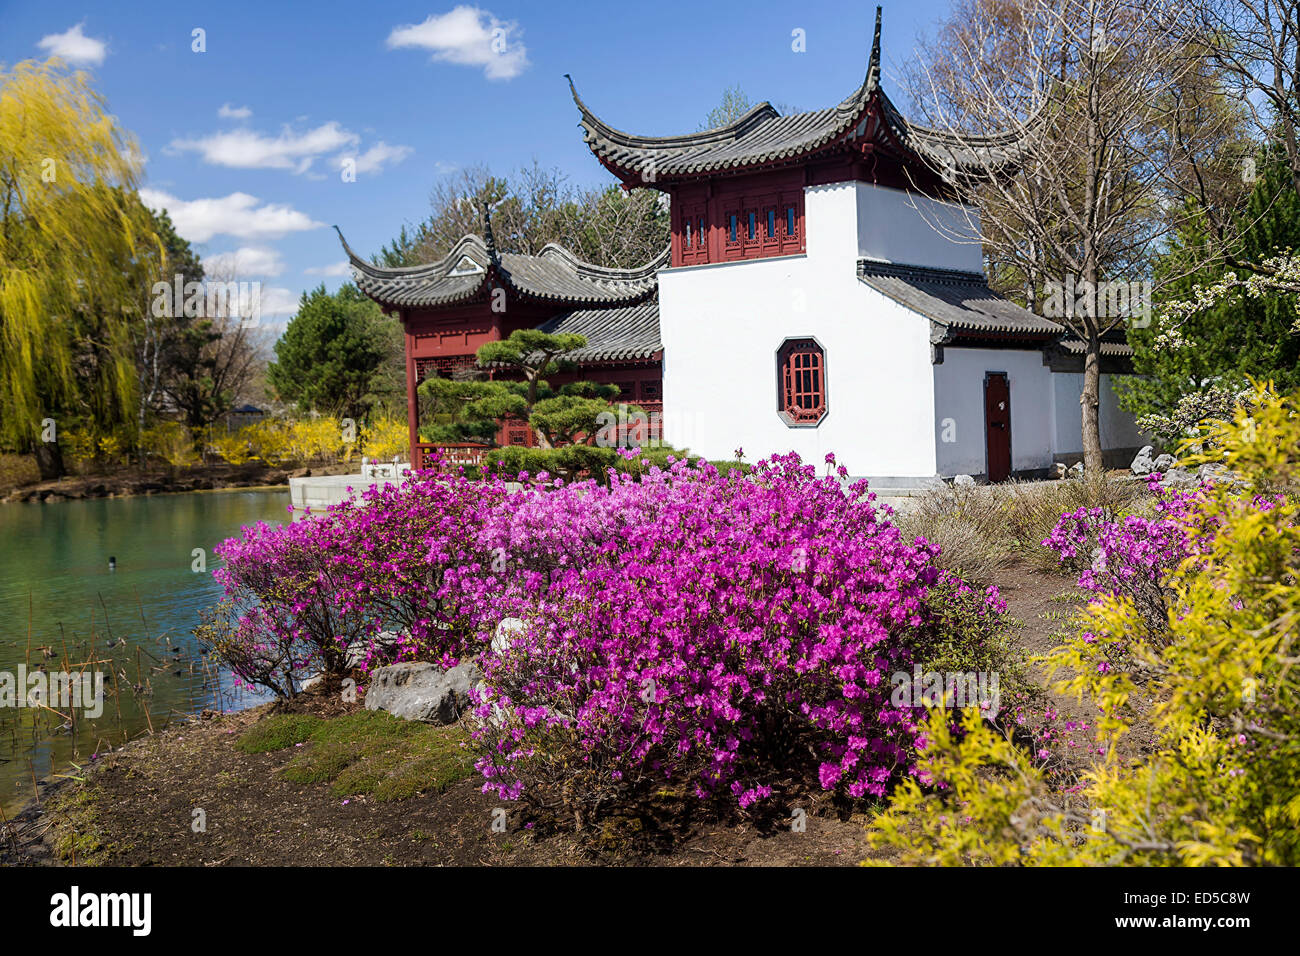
x=1220 y=787
x=386 y=438
x=694 y=630
x=969 y=527
x=577 y=462
x=170 y=441
x=1033 y=509
x=967 y=630
x=1133 y=556
x=305 y=596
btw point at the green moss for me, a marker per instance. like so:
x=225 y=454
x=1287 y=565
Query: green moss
x=277 y=732
x=77 y=836
x=369 y=753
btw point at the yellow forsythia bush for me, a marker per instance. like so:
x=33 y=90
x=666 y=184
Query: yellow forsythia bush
x=385 y=439
x=1220 y=687
x=170 y=441
x=327 y=439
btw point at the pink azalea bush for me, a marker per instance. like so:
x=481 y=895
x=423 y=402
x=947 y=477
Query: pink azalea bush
x=1131 y=555
x=306 y=596
x=718 y=636
x=694 y=629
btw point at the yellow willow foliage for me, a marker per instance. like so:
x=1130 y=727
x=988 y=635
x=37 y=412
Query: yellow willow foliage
x=1223 y=785
x=72 y=237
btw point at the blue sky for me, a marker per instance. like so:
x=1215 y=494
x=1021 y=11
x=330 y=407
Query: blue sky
x=245 y=141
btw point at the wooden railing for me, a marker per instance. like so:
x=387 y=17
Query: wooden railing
x=448 y=455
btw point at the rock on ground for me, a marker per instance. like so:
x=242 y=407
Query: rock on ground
x=418 y=691
x=1143 y=463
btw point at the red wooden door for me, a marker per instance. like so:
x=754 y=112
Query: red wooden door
x=997 y=425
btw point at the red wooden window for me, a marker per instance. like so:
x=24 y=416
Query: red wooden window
x=738 y=224
x=692 y=237
x=801 y=382
x=443 y=366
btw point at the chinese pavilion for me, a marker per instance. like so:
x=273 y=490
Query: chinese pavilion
x=476 y=294
x=812 y=299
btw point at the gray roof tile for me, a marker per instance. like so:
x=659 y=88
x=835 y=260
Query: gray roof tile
x=628 y=333
x=763 y=135
x=953 y=300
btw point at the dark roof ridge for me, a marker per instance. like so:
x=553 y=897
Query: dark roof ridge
x=457 y=252
x=552 y=250
x=932 y=273
x=755 y=116
x=592 y=271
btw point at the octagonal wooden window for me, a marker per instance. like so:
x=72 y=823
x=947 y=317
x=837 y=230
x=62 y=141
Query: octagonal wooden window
x=801 y=382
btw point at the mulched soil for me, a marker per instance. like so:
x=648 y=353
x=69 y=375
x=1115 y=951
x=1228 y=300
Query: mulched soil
x=144 y=797
x=142 y=800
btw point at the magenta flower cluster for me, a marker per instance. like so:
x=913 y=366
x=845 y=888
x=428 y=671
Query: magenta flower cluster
x=674 y=627
x=682 y=628
x=1129 y=555
x=311 y=595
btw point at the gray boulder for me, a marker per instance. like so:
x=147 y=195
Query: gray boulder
x=964 y=481
x=417 y=691
x=1075 y=470
x=1143 y=463
x=1180 y=478
x=1163 y=463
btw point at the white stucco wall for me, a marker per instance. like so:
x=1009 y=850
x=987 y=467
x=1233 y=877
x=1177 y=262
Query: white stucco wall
x=959 y=395
x=899 y=227
x=1116 y=425
x=723 y=324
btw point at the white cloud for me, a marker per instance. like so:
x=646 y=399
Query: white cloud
x=277 y=301
x=239 y=215
x=377 y=157
x=468 y=36
x=75 y=47
x=338 y=269
x=234 y=112
x=247 y=149
x=245 y=261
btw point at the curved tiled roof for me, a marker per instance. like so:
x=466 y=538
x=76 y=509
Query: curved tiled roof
x=954 y=300
x=628 y=333
x=763 y=136
x=555 y=274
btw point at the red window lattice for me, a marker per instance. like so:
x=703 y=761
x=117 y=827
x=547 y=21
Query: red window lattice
x=442 y=366
x=801 y=370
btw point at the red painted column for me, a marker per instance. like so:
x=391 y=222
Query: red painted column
x=412 y=401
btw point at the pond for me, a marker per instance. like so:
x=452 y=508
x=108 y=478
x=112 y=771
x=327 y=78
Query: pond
x=64 y=610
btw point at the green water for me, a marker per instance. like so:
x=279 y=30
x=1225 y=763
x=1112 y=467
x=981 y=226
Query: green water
x=60 y=602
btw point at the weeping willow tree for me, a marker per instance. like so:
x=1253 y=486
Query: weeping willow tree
x=76 y=247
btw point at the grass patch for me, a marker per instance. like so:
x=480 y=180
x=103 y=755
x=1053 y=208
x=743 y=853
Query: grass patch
x=370 y=753
x=277 y=732
x=78 y=839
x=981 y=530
